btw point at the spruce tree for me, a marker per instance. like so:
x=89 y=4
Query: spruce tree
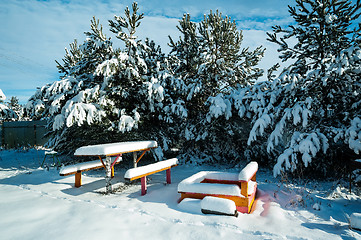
x=208 y=62
x=186 y=49
x=14 y=105
x=323 y=28
x=305 y=116
x=7 y=113
x=105 y=94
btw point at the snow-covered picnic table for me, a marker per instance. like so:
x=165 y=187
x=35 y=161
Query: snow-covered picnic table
x=115 y=150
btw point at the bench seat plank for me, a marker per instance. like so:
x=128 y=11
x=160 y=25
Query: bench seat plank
x=144 y=171
x=81 y=167
x=139 y=172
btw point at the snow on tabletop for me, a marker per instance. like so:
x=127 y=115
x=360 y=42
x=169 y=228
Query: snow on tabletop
x=358 y=160
x=134 y=172
x=248 y=171
x=82 y=166
x=114 y=148
x=355 y=220
x=221 y=205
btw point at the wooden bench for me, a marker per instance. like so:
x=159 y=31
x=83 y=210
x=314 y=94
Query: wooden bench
x=144 y=171
x=78 y=168
x=239 y=187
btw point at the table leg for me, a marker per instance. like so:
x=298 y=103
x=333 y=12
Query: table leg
x=108 y=174
x=78 y=179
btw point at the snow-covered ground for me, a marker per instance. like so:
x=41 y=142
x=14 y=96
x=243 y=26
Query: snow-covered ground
x=37 y=203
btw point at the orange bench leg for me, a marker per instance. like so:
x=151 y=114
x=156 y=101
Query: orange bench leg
x=143 y=181
x=78 y=179
x=112 y=174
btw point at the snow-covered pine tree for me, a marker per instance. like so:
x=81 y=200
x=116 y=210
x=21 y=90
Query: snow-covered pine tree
x=323 y=28
x=72 y=104
x=211 y=62
x=137 y=82
x=6 y=112
x=185 y=52
x=14 y=105
x=310 y=115
x=105 y=94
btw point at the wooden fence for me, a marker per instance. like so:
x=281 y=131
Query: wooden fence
x=22 y=134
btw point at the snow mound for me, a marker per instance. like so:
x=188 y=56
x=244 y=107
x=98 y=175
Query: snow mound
x=355 y=220
x=219 y=206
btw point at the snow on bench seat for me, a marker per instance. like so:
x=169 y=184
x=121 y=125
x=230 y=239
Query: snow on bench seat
x=142 y=172
x=115 y=148
x=194 y=184
x=135 y=173
x=78 y=168
x=84 y=166
x=199 y=183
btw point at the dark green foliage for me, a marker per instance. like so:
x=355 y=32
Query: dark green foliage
x=323 y=28
x=206 y=61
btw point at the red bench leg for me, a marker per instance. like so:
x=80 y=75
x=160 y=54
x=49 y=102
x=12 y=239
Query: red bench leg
x=169 y=181
x=143 y=181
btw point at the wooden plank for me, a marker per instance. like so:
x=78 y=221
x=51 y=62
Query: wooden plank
x=150 y=173
x=137 y=150
x=244 y=188
x=84 y=170
x=140 y=157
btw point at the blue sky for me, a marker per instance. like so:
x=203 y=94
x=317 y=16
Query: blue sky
x=34 y=34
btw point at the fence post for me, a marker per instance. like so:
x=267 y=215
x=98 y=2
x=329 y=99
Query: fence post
x=1 y=135
x=35 y=140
